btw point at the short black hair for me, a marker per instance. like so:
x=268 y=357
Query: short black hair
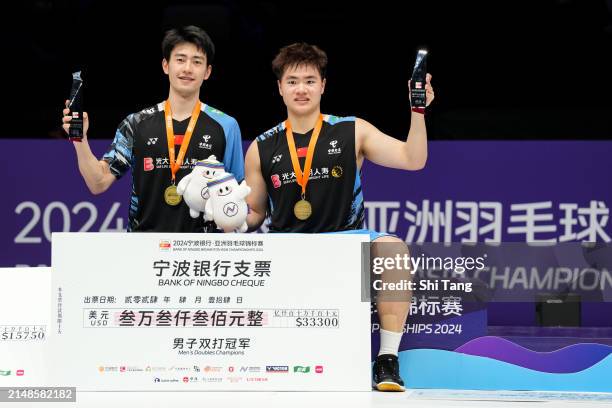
x=188 y=34
x=299 y=54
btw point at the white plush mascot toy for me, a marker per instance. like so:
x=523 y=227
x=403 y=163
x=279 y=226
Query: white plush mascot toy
x=226 y=205
x=194 y=186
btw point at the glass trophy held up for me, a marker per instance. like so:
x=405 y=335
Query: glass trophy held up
x=417 y=82
x=75 y=104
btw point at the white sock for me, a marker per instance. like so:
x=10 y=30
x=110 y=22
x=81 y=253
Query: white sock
x=389 y=342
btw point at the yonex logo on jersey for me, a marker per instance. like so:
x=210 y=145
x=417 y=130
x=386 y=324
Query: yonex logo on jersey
x=277 y=159
x=206 y=138
x=152 y=141
x=334 y=150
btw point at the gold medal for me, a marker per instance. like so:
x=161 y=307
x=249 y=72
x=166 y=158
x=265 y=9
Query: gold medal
x=302 y=210
x=171 y=196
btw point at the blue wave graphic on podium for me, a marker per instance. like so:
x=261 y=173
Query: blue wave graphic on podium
x=570 y=359
x=428 y=368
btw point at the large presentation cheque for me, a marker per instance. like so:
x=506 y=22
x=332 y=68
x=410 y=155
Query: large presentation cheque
x=209 y=312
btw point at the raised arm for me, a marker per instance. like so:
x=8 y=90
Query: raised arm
x=96 y=173
x=387 y=151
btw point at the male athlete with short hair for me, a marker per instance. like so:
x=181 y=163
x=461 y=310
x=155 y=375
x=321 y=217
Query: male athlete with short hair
x=161 y=144
x=305 y=174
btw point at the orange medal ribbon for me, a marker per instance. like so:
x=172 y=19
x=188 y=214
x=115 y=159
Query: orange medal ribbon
x=175 y=164
x=170 y=194
x=302 y=208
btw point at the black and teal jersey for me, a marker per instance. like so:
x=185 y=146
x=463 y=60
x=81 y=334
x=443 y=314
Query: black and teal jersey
x=334 y=186
x=141 y=145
